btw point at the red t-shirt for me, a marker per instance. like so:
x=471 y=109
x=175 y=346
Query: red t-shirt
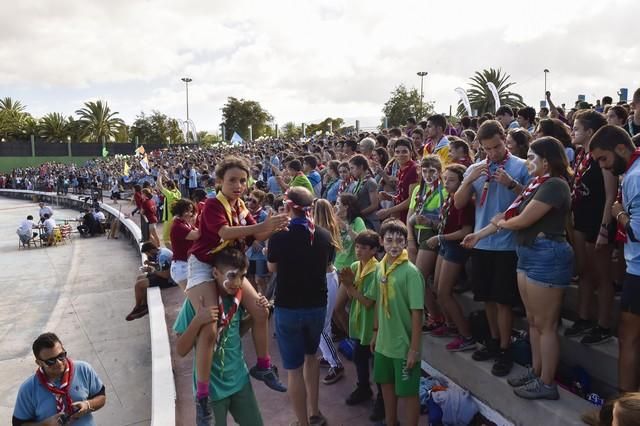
x=459 y=218
x=138 y=198
x=407 y=176
x=179 y=243
x=149 y=208
x=199 y=209
x=212 y=219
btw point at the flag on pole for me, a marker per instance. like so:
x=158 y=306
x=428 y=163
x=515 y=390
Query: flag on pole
x=126 y=169
x=104 y=151
x=145 y=164
x=465 y=100
x=494 y=92
x=140 y=150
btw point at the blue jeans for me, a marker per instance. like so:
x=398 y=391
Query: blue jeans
x=298 y=332
x=547 y=262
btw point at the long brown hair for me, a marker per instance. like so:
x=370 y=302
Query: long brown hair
x=325 y=217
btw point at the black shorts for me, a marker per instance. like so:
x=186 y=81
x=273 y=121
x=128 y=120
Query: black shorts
x=494 y=277
x=589 y=225
x=630 y=299
x=156 y=281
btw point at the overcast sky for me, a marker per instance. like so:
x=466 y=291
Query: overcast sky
x=306 y=60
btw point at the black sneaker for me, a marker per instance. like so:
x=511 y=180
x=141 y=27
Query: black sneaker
x=360 y=395
x=324 y=363
x=269 y=376
x=378 y=410
x=489 y=351
x=596 y=336
x=137 y=312
x=579 y=328
x=503 y=364
x=335 y=374
x=204 y=414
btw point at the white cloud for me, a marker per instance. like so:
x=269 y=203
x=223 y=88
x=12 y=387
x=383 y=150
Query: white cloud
x=305 y=60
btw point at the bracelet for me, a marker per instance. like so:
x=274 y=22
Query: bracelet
x=440 y=238
x=621 y=213
x=495 y=224
x=89 y=404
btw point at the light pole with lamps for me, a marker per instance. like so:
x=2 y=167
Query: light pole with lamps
x=187 y=80
x=69 y=146
x=422 y=74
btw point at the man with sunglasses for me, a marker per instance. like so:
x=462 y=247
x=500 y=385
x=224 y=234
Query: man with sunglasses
x=61 y=391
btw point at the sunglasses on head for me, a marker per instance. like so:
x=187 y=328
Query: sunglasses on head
x=62 y=356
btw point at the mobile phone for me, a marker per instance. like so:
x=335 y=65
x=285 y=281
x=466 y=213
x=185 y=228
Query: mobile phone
x=64 y=419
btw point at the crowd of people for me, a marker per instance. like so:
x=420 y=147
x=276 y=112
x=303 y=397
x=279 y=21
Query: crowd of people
x=381 y=226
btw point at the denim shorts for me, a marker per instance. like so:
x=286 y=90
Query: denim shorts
x=547 y=262
x=179 y=271
x=453 y=252
x=298 y=332
x=198 y=272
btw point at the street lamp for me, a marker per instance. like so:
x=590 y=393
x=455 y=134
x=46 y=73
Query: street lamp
x=187 y=80
x=422 y=74
x=250 y=133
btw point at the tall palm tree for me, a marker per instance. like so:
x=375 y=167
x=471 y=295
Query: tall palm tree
x=8 y=104
x=53 y=127
x=99 y=122
x=480 y=96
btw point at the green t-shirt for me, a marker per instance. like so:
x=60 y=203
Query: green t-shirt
x=431 y=208
x=406 y=293
x=361 y=318
x=170 y=197
x=302 y=180
x=229 y=372
x=347 y=255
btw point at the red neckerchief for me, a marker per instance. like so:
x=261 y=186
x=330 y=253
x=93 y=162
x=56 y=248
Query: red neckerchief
x=465 y=161
x=61 y=393
x=428 y=147
x=490 y=176
x=226 y=317
x=344 y=184
x=444 y=213
x=533 y=186
x=401 y=175
x=582 y=165
x=256 y=215
x=621 y=233
x=422 y=199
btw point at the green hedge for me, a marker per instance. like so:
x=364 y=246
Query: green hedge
x=9 y=163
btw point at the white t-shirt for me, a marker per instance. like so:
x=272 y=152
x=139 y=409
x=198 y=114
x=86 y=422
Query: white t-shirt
x=49 y=224
x=99 y=216
x=25 y=228
x=46 y=209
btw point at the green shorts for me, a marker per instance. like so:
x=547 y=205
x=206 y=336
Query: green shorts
x=392 y=370
x=243 y=408
x=422 y=236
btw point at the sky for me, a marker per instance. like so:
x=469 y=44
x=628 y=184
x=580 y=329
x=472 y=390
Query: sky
x=306 y=60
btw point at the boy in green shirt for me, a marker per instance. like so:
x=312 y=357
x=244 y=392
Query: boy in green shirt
x=361 y=286
x=229 y=385
x=397 y=325
x=171 y=195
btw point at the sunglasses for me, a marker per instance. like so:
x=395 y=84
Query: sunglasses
x=62 y=356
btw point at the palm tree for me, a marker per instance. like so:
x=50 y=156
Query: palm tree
x=98 y=121
x=8 y=104
x=53 y=127
x=480 y=96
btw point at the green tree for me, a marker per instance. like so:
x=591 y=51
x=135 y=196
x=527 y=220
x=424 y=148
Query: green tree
x=333 y=125
x=403 y=104
x=99 y=122
x=76 y=129
x=174 y=131
x=291 y=131
x=238 y=114
x=53 y=127
x=8 y=104
x=12 y=118
x=480 y=96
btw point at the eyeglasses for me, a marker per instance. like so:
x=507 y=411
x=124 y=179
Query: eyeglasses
x=62 y=356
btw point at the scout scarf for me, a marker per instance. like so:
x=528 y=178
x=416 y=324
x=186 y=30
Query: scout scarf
x=361 y=274
x=344 y=184
x=621 y=234
x=226 y=317
x=583 y=164
x=444 y=213
x=533 y=186
x=306 y=221
x=61 y=393
x=423 y=199
x=235 y=217
x=384 y=279
x=490 y=176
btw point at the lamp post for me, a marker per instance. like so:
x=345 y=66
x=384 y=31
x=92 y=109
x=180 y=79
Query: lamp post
x=422 y=74
x=69 y=146
x=250 y=133
x=546 y=71
x=187 y=80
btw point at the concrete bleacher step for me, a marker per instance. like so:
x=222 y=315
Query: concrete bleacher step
x=600 y=361
x=496 y=392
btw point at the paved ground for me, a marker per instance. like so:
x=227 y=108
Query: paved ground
x=81 y=291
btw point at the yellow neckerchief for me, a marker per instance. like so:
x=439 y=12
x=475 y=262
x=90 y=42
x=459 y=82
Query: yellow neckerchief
x=384 y=280
x=361 y=273
x=242 y=214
